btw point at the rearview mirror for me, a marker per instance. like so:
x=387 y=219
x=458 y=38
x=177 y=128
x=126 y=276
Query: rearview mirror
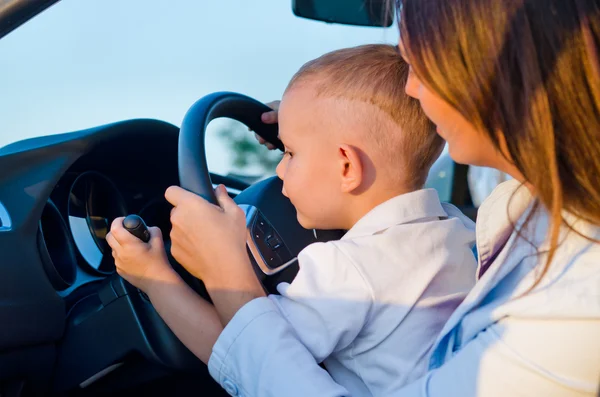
x=347 y=12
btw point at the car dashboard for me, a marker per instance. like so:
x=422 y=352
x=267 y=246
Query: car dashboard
x=58 y=197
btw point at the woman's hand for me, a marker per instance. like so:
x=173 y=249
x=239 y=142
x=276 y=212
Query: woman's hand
x=269 y=118
x=142 y=264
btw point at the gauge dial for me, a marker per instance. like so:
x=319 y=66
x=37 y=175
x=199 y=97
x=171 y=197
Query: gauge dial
x=94 y=202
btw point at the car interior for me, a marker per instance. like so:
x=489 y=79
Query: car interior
x=71 y=326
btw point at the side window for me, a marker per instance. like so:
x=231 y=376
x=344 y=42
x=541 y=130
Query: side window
x=441 y=176
x=482 y=181
x=467 y=187
x=233 y=151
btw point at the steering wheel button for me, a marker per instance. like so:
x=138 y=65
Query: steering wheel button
x=274 y=261
x=261 y=224
x=274 y=242
x=258 y=233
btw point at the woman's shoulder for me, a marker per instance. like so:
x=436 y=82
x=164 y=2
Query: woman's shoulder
x=571 y=285
x=581 y=258
x=577 y=257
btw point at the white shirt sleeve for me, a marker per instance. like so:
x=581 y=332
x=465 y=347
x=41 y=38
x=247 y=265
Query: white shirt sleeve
x=328 y=302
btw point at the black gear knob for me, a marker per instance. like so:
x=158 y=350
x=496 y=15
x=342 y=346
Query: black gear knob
x=135 y=225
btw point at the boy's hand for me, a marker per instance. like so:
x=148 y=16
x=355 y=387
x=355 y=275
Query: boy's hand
x=208 y=240
x=269 y=118
x=142 y=264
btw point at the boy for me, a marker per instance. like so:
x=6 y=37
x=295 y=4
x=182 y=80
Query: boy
x=358 y=151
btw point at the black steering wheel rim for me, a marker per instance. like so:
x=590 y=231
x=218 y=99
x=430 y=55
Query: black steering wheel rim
x=193 y=167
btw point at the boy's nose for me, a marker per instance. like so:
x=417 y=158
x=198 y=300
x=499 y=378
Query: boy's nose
x=280 y=170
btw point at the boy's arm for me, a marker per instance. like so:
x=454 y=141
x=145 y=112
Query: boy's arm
x=193 y=320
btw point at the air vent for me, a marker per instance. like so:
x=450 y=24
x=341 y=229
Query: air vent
x=56 y=248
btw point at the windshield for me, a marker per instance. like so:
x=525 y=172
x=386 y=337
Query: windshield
x=81 y=64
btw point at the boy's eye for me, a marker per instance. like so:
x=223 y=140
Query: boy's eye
x=287 y=152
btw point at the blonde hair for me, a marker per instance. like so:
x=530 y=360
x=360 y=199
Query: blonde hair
x=376 y=74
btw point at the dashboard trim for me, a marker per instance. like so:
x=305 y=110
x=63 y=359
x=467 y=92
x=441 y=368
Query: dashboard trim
x=5 y=221
x=229 y=189
x=251 y=213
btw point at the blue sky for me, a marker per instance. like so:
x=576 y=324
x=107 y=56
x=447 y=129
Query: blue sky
x=84 y=63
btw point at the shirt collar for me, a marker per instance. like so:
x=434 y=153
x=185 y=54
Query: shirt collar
x=406 y=208
x=498 y=215
x=507 y=209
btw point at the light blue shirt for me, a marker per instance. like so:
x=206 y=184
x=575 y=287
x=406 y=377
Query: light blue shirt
x=503 y=340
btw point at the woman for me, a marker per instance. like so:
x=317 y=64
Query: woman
x=512 y=85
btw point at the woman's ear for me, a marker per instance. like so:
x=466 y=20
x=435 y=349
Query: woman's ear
x=351 y=168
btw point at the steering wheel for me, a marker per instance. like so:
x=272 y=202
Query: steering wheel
x=193 y=168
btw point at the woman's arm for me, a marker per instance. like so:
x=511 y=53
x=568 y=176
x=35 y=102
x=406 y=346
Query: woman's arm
x=258 y=354
x=520 y=357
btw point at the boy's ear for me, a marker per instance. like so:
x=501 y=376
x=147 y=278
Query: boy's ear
x=351 y=168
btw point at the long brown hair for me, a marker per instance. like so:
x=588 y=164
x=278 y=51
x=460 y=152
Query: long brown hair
x=527 y=71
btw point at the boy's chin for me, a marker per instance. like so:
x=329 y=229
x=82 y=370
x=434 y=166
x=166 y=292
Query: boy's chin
x=312 y=224
x=305 y=223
